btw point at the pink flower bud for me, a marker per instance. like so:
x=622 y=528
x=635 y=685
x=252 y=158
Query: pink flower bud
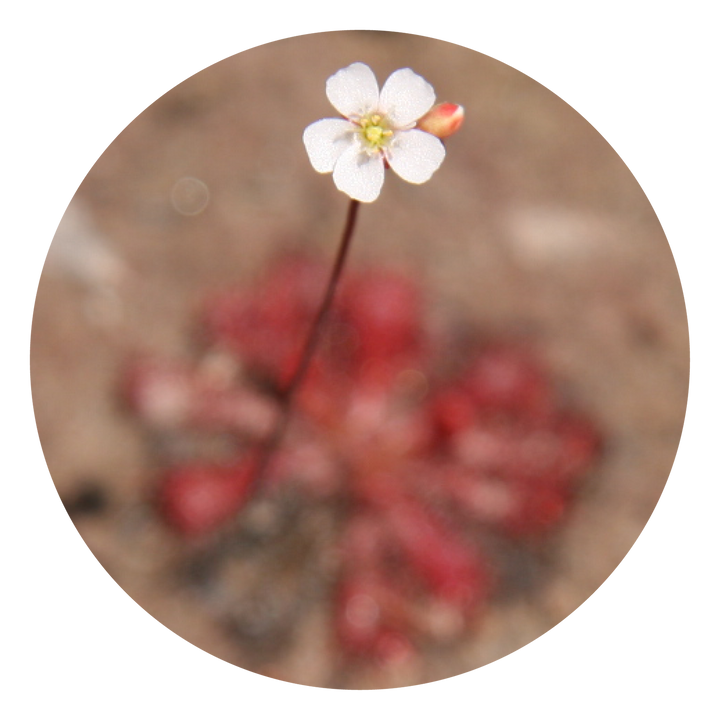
x=442 y=120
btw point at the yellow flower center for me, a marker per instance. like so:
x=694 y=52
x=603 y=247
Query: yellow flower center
x=374 y=132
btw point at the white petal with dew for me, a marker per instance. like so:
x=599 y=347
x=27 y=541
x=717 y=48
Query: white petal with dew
x=359 y=175
x=353 y=90
x=415 y=155
x=326 y=140
x=406 y=97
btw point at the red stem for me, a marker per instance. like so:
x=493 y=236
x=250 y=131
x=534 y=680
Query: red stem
x=288 y=394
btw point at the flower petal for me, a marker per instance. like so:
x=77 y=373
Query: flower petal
x=326 y=140
x=353 y=90
x=415 y=155
x=359 y=175
x=406 y=97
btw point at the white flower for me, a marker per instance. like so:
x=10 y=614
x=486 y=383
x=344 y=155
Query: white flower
x=378 y=127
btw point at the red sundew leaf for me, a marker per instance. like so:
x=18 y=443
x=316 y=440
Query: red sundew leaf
x=174 y=395
x=309 y=465
x=371 y=611
x=266 y=326
x=393 y=647
x=245 y=325
x=385 y=311
x=554 y=451
x=451 y=569
x=519 y=478
x=365 y=542
x=476 y=495
x=373 y=617
x=512 y=507
x=540 y=508
x=504 y=378
x=324 y=394
x=488 y=447
x=553 y=455
x=197 y=499
x=511 y=452
x=451 y=410
x=359 y=622
x=362 y=421
x=500 y=385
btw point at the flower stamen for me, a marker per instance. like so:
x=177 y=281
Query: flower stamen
x=374 y=132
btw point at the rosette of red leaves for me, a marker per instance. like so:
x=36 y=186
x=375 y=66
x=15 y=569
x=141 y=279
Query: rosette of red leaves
x=436 y=444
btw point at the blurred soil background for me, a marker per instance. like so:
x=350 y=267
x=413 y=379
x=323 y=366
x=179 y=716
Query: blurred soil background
x=532 y=227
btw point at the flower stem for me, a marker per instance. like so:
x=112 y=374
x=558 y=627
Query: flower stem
x=288 y=393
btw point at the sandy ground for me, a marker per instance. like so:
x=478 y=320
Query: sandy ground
x=533 y=226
